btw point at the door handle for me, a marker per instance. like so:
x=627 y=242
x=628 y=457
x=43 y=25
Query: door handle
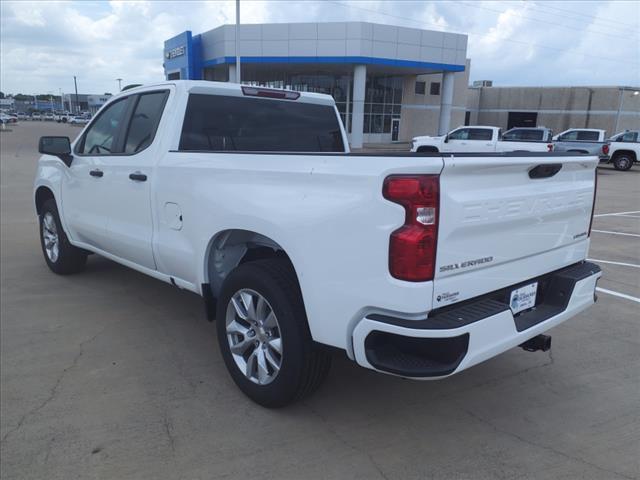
x=96 y=173
x=138 y=177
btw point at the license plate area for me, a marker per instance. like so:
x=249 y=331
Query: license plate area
x=523 y=298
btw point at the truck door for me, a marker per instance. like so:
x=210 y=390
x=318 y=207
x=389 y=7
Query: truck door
x=85 y=197
x=130 y=225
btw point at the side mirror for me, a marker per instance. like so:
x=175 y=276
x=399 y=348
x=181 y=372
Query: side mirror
x=57 y=146
x=446 y=139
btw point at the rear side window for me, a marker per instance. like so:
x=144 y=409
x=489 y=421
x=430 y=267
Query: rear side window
x=144 y=121
x=588 y=136
x=527 y=135
x=223 y=123
x=480 y=134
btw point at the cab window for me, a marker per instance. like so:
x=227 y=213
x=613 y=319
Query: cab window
x=144 y=121
x=460 y=134
x=99 y=139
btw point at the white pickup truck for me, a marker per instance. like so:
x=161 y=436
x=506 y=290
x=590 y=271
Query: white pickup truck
x=624 y=149
x=476 y=139
x=416 y=265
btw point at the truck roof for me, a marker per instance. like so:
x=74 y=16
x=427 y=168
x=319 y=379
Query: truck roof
x=230 y=89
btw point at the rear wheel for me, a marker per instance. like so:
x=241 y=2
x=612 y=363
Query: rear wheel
x=622 y=161
x=61 y=257
x=263 y=334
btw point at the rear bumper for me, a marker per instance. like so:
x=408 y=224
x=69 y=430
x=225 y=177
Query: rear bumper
x=460 y=336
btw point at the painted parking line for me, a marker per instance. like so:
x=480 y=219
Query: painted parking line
x=615 y=214
x=618 y=294
x=617 y=233
x=614 y=263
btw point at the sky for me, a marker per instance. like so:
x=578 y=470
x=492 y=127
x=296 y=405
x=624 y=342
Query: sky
x=534 y=42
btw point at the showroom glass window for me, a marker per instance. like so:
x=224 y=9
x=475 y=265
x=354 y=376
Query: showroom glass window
x=99 y=138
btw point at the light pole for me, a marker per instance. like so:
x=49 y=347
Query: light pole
x=75 y=83
x=237 y=41
x=621 y=103
x=119 y=80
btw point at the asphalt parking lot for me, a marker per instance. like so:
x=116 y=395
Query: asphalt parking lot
x=111 y=374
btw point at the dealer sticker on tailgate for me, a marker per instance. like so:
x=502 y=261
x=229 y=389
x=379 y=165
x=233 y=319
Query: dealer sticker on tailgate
x=523 y=298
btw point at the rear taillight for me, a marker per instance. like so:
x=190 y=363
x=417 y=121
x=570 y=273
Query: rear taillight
x=593 y=206
x=605 y=149
x=412 y=247
x=549 y=147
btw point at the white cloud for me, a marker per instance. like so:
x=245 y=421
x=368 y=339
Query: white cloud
x=43 y=44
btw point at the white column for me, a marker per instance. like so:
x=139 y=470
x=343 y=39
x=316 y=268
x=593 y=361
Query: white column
x=446 y=102
x=357 y=119
x=232 y=74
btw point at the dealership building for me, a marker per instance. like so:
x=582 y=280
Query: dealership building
x=389 y=83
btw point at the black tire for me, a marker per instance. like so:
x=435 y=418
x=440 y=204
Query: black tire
x=304 y=364
x=69 y=259
x=622 y=161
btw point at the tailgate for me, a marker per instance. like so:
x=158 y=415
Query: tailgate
x=498 y=226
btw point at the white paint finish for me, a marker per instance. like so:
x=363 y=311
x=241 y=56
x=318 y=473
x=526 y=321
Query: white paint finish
x=446 y=101
x=461 y=42
x=618 y=294
x=408 y=52
x=250 y=32
x=328 y=48
x=616 y=214
x=431 y=54
x=488 y=337
x=228 y=33
x=521 y=225
x=633 y=265
x=332 y=206
x=383 y=49
x=449 y=56
x=432 y=38
x=360 y=30
x=354 y=48
x=409 y=35
x=332 y=31
x=450 y=40
x=357 y=114
x=609 y=232
x=229 y=49
x=303 y=31
x=303 y=48
x=461 y=57
x=385 y=33
x=275 y=31
x=250 y=48
x=277 y=48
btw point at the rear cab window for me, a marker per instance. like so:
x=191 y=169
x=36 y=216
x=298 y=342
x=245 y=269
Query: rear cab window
x=231 y=123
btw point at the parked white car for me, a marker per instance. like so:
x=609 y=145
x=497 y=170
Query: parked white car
x=36 y=116
x=250 y=198
x=78 y=120
x=624 y=149
x=476 y=139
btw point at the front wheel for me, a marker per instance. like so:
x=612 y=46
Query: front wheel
x=263 y=334
x=61 y=257
x=622 y=161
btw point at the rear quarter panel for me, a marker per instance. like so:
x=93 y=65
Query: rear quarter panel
x=326 y=212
